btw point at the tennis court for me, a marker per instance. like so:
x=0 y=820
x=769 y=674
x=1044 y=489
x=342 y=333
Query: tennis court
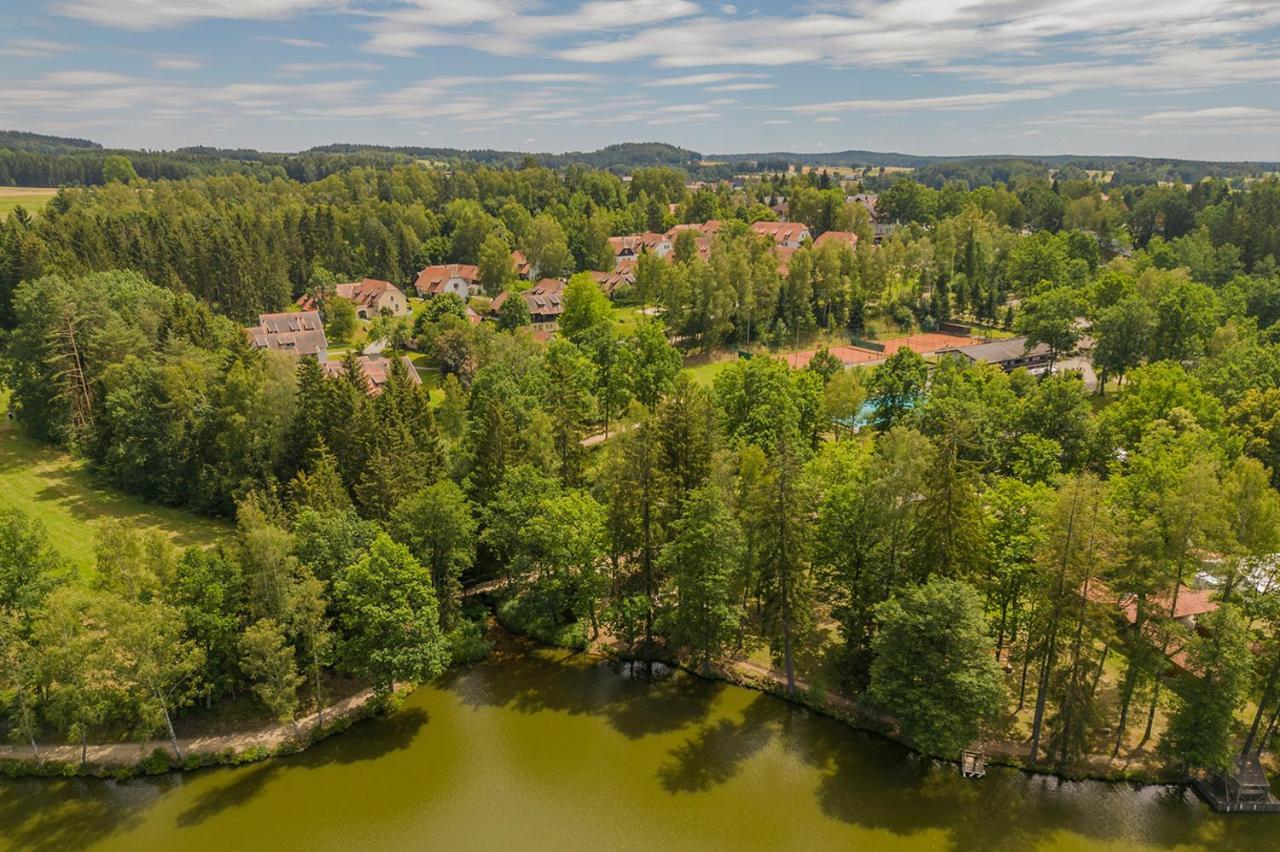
x=924 y=343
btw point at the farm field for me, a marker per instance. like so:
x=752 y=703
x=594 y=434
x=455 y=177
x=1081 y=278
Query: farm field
x=50 y=485
x=31 y=198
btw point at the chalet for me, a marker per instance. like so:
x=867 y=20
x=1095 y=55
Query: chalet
x=609 y=282
x=374 y=298
x=376 y=370
x=786 y=234
x=626 y=247
x=1189 y=605
x=707 y=229
x=292 y=332
x=545 y=301
x=847 y=239
x=461 y=279
x=523 y=268
x=630 y=247
x=1008 y=355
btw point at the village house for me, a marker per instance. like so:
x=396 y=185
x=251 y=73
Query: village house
x=609 y=282
x=461 y=279
x=545 y=301
x=376 y=370
x=371 y=297
x=292 y=332
x=523 y=268
x=1185 y=610
x=848 y=239
x=786 y=234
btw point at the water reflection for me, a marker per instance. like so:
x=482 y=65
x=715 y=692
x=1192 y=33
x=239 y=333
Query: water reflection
x=537 y=749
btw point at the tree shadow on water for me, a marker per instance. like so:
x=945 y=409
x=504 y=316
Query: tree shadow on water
x=716 y=753
x=368 y=739
x=519 y=677
x=46 y=814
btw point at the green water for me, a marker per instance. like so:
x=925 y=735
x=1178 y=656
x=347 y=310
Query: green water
x=535 y=751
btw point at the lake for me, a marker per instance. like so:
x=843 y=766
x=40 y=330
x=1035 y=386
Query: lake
x=535 y=749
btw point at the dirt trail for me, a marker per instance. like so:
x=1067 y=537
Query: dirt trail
x=129 y=754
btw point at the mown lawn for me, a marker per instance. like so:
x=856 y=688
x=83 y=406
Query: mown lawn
x=50 y=485
x=32 y=199
x=705 y=374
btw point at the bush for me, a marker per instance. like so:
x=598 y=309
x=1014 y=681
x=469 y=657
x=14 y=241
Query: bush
x=467 y=643
x=156 y=763
x=522 y=615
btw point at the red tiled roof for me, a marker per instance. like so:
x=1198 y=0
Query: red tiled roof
x=375 y=369
x=781 y=232
x=432 y=279
x=848 y=238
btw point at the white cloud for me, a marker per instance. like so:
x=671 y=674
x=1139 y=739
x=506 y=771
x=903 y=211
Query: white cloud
x=177 y=63
x=84 y=78
x=700 y=79
x=970 y=101
x=294 y=69
x=741 y=87
x=33 y=48
x=157 y=14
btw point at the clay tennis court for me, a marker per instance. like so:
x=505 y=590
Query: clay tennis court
x=924 y=343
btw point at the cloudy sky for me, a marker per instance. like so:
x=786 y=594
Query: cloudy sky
x=1187 y=78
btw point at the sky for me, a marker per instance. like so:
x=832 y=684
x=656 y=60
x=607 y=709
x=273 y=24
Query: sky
x=1176 y=78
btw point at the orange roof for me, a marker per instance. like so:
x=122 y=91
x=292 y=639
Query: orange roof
x=781 y=232
x=375 y=369
x=433 y=278
x=848 y=238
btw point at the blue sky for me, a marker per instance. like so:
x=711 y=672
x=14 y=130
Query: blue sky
x=1184 y=78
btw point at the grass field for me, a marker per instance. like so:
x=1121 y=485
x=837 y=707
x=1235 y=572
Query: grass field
x=50 y=485
x=31 y=198
x=705 y=374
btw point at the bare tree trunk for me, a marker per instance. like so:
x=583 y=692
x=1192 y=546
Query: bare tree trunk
x=1263 y=701
x=173 y=737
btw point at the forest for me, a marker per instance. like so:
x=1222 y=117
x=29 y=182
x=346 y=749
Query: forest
x=968 y=552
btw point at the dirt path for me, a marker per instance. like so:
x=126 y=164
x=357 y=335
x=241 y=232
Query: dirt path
x=129 y=754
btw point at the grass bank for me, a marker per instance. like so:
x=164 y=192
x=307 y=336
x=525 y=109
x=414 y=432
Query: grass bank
x=56 y=488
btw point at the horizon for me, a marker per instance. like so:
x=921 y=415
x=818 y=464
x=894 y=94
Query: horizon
x=1189 y=80
x=705 y=155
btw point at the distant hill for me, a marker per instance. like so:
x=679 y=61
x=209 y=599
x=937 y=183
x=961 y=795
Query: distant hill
x=18 y=140
x=34 y=159
x=621 y=157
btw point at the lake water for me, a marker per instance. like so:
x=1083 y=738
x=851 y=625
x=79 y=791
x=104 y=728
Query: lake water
x=537 y=750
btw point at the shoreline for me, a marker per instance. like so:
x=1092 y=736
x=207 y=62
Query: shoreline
x=120 y=761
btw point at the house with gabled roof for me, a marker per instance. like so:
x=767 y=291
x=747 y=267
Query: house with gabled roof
x=848 y=239
x=371 y=297
x=461 y=279
x=291 y=332
x=786 y=234
x=376 y=370
x=545 y=301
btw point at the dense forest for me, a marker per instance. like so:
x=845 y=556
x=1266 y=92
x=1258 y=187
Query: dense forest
x=983 y=546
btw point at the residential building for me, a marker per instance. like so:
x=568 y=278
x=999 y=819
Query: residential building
x=461 y=279
x=845 y=238
x=786 y=234
x=292 y=332
x=374 y=298
x=376 y=370
x=545 y=301
x=521 y=264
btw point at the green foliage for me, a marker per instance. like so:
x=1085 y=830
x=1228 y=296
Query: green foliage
x=934 y=671
x=390 y=618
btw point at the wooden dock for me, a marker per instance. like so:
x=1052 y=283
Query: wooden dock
x=973 y=764
x=1246 y=790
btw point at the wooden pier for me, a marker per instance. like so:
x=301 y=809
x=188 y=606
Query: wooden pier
x=1246 y=790
x=973 y=764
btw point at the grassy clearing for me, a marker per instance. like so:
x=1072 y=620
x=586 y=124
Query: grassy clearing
x=705 y=374
x=50 y=485
x=30 y=198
